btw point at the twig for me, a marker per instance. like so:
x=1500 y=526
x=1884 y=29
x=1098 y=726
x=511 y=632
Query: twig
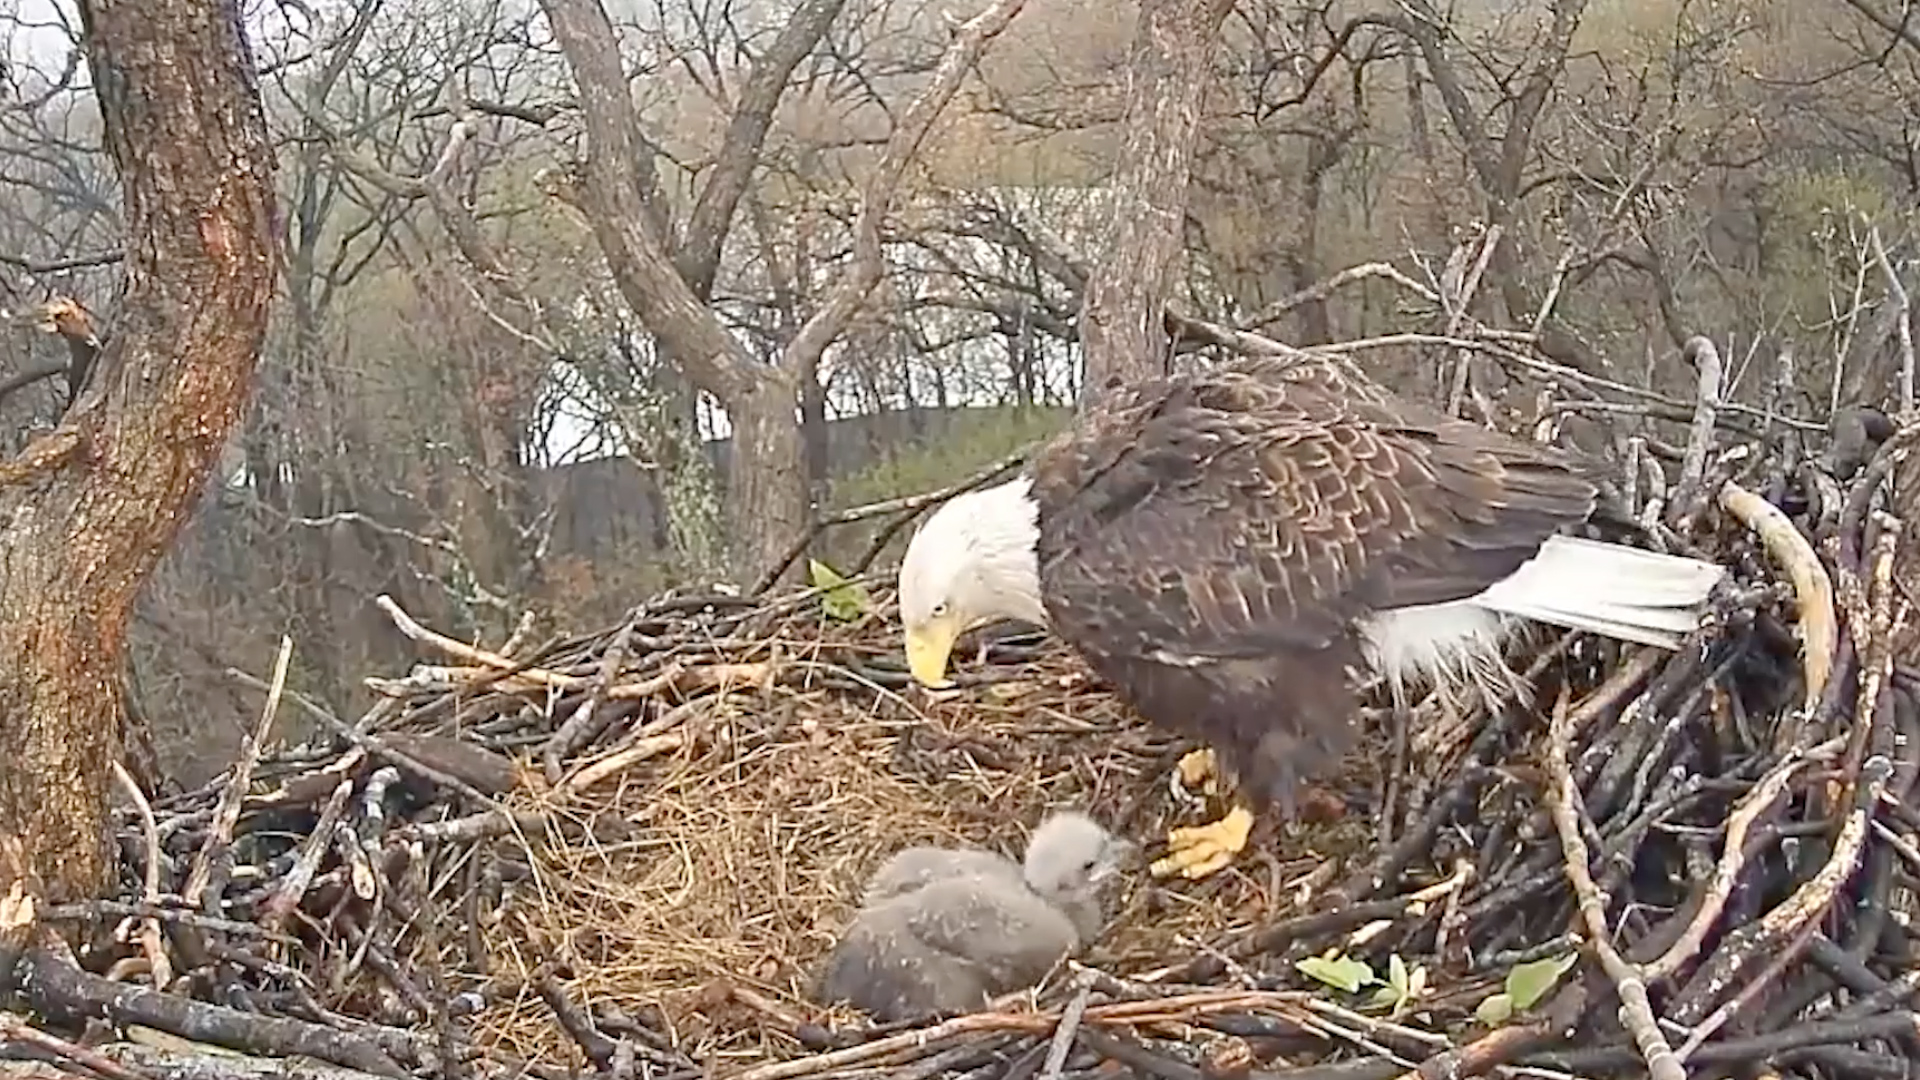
x=1687 y=491
x=14 y=1029
x=1140 y=1058
x=575 y=731
x=510 y=674
x=1246 y=342
x=1548 y=369
x=1495 y=1048
x=294 y=887
x=159 y=967
x=1458 y=301
x=619 y=761
x=1726 y=874
x=1326 y=287
x=92 y=910
x=1750 y=1049
x=1636 y=1010
x=1902 y=315
x=231 y=799
x=1063 y=1034
x=1741 y=948
x=1176 y=1007
x=1768 y=975
x=906 y=507
x=574 y=1020
x=1812 y=587
x=59 y=989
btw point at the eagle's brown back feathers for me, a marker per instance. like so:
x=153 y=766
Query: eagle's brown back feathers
x=1209 y=540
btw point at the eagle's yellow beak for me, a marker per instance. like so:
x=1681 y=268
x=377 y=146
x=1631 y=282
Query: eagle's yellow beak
x=927 y=650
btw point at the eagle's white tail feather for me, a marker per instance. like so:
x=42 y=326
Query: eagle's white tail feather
x=1622 y=592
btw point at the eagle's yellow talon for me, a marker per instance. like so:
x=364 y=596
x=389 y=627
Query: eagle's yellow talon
x=1197 y=768
x=1205 y=849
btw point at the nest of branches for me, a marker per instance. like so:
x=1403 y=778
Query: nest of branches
x=624 y=853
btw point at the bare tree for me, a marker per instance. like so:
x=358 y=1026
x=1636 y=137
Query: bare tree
x=1265 y=195
x=612 y=187
x=1499 y=161
x=91 y=506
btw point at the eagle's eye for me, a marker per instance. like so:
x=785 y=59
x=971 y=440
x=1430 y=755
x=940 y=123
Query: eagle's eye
x=940 y=610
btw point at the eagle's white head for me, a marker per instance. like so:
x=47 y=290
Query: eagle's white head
x=973 y=561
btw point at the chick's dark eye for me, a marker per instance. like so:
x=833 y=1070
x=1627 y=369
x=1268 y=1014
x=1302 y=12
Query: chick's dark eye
x=1089 y=864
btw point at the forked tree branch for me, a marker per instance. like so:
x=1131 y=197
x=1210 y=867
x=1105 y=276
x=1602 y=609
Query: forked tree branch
x=802 y=354
x=463 y=227
x=733 y=166
x=611 y=192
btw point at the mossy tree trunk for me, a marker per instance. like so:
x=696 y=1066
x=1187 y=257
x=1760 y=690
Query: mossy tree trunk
x=88 y=509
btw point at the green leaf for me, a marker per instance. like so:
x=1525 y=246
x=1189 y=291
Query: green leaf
x=1402 y=986
x=1495 y=1010
x=1528 y=983
x=1343 y=973
x=841 y=599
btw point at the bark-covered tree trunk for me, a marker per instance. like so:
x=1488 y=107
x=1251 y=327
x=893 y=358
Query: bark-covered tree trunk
x=767 y=489
x=814 y=439
x=766 y=504
x=1121 y=324
x=88 y=509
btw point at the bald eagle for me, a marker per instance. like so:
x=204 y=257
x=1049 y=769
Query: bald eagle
x=1233 y=549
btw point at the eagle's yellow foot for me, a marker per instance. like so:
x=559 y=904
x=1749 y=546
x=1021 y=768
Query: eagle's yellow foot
x=1197 y=775
x=1205 y=849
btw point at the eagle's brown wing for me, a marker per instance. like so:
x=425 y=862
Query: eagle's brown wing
x=1208 y=541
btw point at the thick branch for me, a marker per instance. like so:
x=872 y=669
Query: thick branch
x=611 y=193
x=544 y=329
x=712 y=218
x=1121 y=324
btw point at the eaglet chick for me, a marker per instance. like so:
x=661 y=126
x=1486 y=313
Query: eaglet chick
x=916 y=867
x=944 y=931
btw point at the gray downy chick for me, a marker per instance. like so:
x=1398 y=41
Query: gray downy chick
x=1070 y=859
x=916 y=867
x=963 y=938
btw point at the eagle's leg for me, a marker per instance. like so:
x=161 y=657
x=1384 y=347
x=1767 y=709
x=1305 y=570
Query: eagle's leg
x=1199 y=850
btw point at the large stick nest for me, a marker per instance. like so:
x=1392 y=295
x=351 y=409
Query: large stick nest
x=626 y=852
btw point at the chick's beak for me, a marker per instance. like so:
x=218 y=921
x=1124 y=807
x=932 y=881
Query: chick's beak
x=927 y=650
